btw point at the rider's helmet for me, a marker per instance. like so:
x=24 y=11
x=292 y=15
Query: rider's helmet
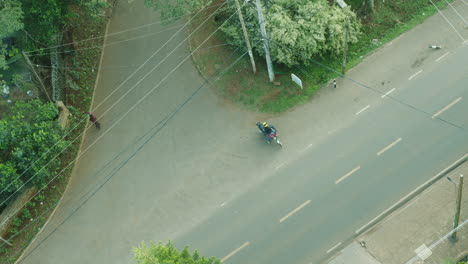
x=265 y=124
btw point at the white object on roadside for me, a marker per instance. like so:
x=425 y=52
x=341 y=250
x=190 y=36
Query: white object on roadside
x=296 y=80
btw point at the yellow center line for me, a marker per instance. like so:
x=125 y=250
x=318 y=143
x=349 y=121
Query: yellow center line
x=235 y=251
x=388 y=147
x=447 y=107
x=294 y=211
x=348 y=174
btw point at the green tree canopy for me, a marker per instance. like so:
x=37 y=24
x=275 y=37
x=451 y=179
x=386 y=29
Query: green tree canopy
x=11 y=20
x=28 y=132
x=297 y=27
x=11 y=17
x=168 y=254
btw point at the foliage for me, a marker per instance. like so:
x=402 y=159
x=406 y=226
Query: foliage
x=44 y=18
x=311 y=28
x=11 y=16
x=168 y=254
x=176 y=8
x=30 y=138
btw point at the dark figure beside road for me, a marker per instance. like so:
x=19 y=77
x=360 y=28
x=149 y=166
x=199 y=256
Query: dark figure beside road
x=93 y=119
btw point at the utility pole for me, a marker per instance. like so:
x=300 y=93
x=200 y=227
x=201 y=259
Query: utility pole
x=371 y=5
x=457 y=213
x=35 y=74
x=246 y=36
x=343 y=69
x=271 y=73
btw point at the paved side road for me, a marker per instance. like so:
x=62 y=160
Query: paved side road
x=424 y=221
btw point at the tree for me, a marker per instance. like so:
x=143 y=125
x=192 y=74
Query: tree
x=44 y=18
x=296 y=28
x=11 y=16
x=168 y=254
x=176 y=8
x=28 y=132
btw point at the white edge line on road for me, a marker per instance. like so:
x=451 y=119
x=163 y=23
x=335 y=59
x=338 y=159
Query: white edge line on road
x=441 y=57
x=362 y=110
x=333 y=248
x=348 y=174
x=294 y=211
x=447 y=107
x=387 y=93
x=390 y=43
x=409 y=194
x=414 y=75
x=388 y=147
x=235 y=251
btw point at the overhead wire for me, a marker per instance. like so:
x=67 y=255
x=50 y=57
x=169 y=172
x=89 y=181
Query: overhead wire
x=448 y=21
x=454 y=9
x=109 y=44
x=123 y=31
x=105 y=99
x=367 y=86
x=116 y=122
x=164 y=123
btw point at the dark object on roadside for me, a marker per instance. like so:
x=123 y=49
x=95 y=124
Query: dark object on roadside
x=334 y=83
x=93 y=119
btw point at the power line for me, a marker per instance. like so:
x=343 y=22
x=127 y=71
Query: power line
x=109 y=44
x=368 y=87
x=209 y=82
x=457 y=12
x=115 y=123
x=114 y=158
x=123 y=31
x=453 y=27
x=84 y=119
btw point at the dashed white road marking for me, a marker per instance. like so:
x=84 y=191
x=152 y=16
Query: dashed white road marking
x=294 y=211
x=447 y=107
x=222 y=204
x=333 y=248
x=388 y=147
x=235 y=251
x=348 y=174
x=362 y=110
x=414 y=75
x=441 y=57
x=387 y=93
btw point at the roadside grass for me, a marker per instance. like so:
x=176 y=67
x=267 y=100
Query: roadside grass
x=256 y=93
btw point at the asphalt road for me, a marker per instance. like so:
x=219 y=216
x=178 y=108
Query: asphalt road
x=208 y=180
x=337 y=209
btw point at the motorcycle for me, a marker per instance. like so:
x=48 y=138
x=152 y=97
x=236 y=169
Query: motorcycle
x=272 y=136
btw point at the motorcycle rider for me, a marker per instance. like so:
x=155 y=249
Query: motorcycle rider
x=266 y=128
